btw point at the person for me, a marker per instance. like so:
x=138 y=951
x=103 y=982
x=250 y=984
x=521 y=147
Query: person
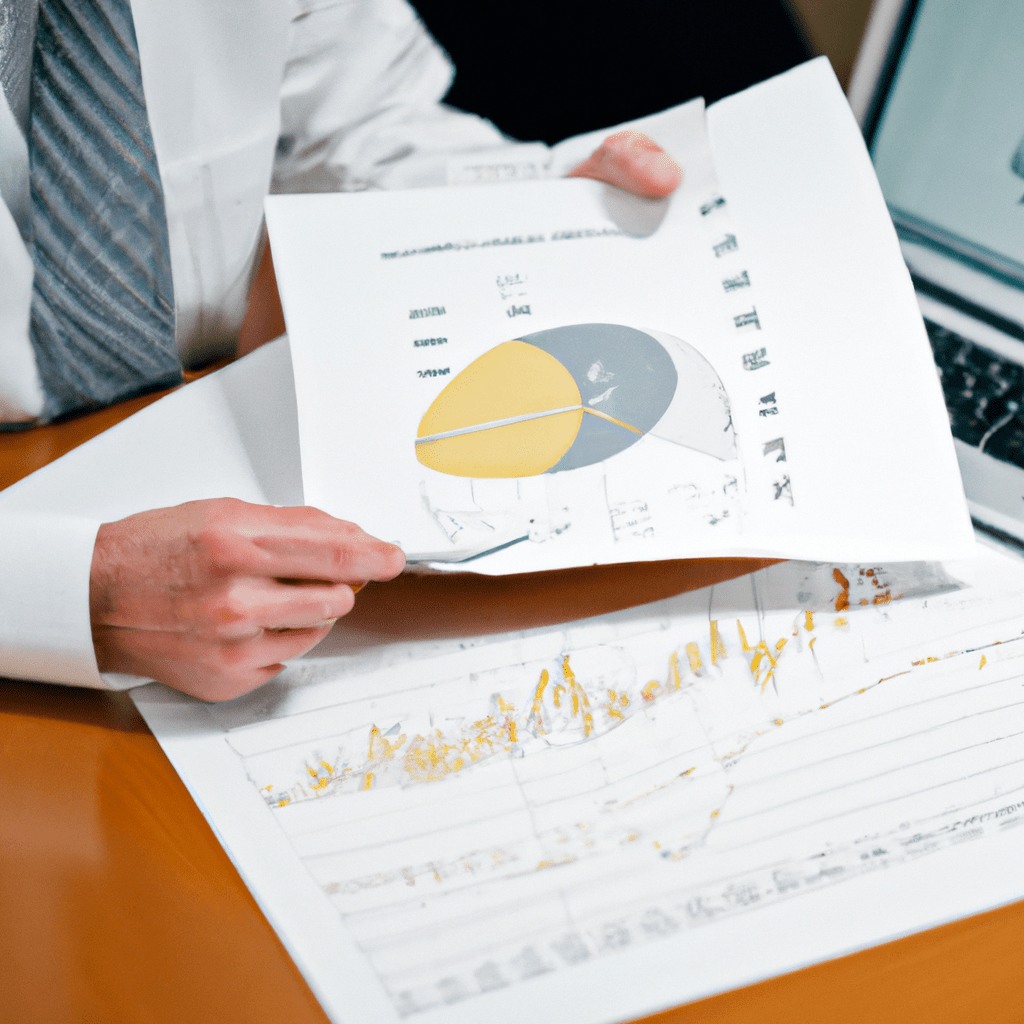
x=101 y=299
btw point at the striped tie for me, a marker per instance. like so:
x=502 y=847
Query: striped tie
x=102 y=302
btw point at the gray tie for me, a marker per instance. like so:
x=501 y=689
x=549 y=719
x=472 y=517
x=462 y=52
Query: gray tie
x=103 y=302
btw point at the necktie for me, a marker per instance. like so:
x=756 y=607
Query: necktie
x=103 y=304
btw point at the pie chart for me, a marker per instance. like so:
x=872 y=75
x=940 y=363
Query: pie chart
x=570 y=397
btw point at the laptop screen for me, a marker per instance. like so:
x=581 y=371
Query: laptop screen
x=949 y=141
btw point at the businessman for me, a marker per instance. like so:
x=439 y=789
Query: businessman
x=137 y=143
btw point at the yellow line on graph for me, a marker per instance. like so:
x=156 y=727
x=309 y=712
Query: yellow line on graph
x=611 y=419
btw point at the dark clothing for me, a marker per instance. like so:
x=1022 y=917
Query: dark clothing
x=548 y=69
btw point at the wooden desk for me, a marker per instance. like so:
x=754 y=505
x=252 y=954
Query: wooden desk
x=117 y=903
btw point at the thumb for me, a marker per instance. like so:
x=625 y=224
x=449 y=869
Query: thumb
x=633 y=162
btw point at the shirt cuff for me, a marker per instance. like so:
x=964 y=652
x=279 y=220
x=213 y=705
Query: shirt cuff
x=45 y=630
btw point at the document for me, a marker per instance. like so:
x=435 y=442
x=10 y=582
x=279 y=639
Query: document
x=597 y=821
x=548 y=373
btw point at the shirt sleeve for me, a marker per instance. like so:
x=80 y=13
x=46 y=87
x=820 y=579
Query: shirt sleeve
x=360 y=102
x=45 y=633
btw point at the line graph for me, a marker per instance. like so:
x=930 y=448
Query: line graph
x=500 y=815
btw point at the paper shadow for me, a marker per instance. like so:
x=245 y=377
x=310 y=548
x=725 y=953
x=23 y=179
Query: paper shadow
x=635 y=216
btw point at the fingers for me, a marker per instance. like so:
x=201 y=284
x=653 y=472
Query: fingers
x=279 y=606
x=212 y=672
x=294 y=543
x=633 y=162
x=348 y=556
x=210 y=597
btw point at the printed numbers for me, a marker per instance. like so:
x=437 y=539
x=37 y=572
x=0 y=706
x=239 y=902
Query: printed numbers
x=434 y=373
x=732 y=284
x=629 y=520
x=755 y=360
x=416 y=314
x=726 y=245
x=511 y=284
x=741 y=308
x=747 y=319
x=783 y=490
x=424 y=342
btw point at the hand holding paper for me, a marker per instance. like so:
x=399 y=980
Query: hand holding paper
x=633 y=162
x=212 y=596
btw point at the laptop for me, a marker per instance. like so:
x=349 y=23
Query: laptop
x=938 y=90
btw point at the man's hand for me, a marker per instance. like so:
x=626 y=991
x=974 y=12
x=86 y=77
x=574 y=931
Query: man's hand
x=211 y=596
x=633 y=162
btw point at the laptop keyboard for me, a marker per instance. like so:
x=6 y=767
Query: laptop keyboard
x=984 y=394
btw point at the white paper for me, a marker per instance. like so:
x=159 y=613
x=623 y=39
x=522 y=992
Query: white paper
x=231 y=434
x=729 y=784
x=802 y=415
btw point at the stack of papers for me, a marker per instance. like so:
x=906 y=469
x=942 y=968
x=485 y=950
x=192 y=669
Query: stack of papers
x=600 y=820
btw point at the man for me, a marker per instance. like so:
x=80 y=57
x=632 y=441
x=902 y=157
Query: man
x=133 y=184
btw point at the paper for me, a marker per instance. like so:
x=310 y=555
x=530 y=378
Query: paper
x=554 y=373
x=230 y=434
x=598 y=821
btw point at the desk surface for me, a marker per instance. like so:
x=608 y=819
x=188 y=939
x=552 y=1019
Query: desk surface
x=117 y=903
